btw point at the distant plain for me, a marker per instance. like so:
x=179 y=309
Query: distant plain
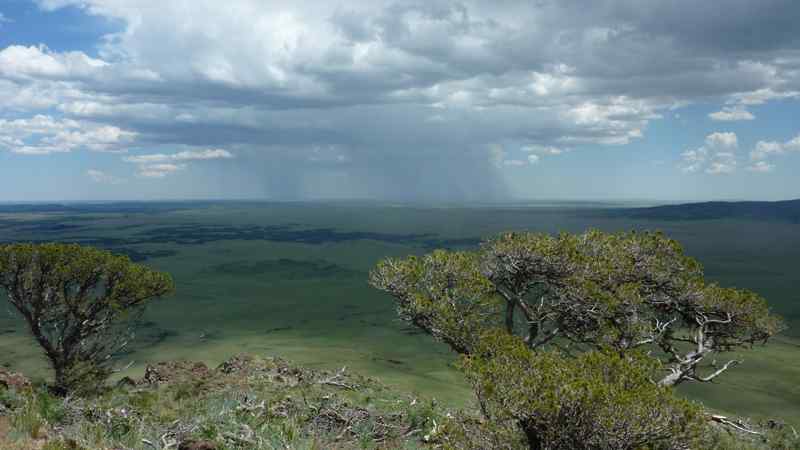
x=290 y=279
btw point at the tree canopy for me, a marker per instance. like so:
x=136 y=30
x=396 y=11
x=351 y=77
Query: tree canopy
x=626 y=291
x=79 y=303
x=575 y=341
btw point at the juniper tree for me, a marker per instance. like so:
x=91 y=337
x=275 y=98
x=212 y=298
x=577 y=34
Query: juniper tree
x=578 y=339
x=79 y=303
x=627 y=291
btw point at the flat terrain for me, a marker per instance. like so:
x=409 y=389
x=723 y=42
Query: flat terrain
x=290 y=280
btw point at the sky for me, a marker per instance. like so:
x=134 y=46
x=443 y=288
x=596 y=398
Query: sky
x=474 y=101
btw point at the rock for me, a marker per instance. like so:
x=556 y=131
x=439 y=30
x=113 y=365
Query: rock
x=165 y=372
x=192 y=444
x=13 y=380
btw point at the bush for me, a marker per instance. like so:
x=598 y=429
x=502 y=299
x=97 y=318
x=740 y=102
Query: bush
x=598 y=400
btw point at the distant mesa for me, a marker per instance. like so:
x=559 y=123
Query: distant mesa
x=783 y=211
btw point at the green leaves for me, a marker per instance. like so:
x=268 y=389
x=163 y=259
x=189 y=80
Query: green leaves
x=78 y=302
x=632 y=308
x=442 y=293
x=600 y=399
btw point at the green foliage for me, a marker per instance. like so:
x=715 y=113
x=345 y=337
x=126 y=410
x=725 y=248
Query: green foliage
x=629 y=291
x=564 y=337
x=79 y=303
x=596 y=400
x=443 y=293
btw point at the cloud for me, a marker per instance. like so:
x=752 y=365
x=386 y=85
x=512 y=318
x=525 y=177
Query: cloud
x=761 y=96
x=716 y=157
x=722 y=140
x=158 y=170
x=17 y=61
x=101 y=177
x=761 y=167
x=543 y=150
x=722 y=163
x=159 y=165
x=533 y=159
x=693 y=160
x=189 y=155
x=402 y=89
x=765 y=150
x=731 y=114
x=43 y=134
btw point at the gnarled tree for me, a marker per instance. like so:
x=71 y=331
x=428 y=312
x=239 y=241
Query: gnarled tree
x=576 y=340
x=627 y=291
x=80 y=304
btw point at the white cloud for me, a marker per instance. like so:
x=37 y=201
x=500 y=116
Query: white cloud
x=765 y=150
x=188 y=155
x=722 y=140
x=693 y=160
x=722 y=163
x=42 y=135
x=761 y=166
x=543 y=150
x=17 y=61
x=159 y=165
x=533 y=159
x=158 y=170
x=761 y=96
x=101 y=177
x=731 y=114
x=716 y=157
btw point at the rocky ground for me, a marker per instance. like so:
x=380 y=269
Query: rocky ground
x=246 y=402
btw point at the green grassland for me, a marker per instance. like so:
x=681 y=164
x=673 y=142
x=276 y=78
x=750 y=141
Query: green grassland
x=290 y=280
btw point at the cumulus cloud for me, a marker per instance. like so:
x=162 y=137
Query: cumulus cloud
x=761 y=96
x=761 y=167
x=159 y=165
x=99 y=176
x=722 y=140
x=43 y=134
x=731 y=114
x=17 y=61
x=158 y=170
x=188 y=155
x=765 y=150
x=402 y=89
x=716 y=157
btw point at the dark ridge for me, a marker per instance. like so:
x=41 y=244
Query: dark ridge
x=286 y=269
x=783 y=211
x=202 y=234
x=115 y=207
x=141 y=255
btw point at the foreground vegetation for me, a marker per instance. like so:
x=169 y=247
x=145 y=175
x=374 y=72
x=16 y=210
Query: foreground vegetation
x=570 y=342
x=266 y=403
x=245 y=403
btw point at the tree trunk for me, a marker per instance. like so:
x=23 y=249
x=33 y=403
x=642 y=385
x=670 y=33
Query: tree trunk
x=534 y=441
x=510 y=306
